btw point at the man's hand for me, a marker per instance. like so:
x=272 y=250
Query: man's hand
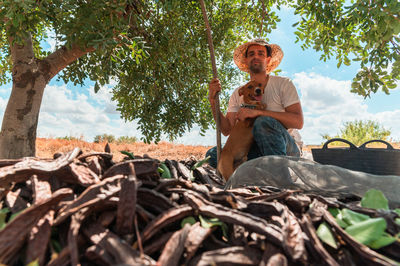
x=244 y=113
x=213 y=88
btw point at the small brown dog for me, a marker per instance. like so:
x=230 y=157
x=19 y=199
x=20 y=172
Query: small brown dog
x=240 y=139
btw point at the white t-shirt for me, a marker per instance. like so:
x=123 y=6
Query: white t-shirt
x=279 y=93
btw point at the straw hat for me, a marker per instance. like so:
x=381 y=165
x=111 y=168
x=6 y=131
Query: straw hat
x=239 y=55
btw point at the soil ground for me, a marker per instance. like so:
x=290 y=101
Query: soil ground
x=45 y=148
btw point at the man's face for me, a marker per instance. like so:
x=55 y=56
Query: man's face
x=257 y=59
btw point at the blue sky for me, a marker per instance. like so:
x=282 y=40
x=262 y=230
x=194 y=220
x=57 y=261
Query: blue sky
x=69 y=110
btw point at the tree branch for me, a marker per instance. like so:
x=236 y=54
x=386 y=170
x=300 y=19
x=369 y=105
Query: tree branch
x=63 y=56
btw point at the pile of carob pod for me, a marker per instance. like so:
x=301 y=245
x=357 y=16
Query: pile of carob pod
x=86 y=209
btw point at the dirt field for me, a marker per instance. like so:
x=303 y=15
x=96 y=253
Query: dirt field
x=45 y=148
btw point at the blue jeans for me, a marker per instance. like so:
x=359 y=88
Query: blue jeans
x=270 y=138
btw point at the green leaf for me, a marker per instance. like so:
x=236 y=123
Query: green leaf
x=325 y=234
x=188 y=220
x=3 y=215
x=165 y=171
x=192 y=177
x=56 y=245
x=200 y=163
x=6 y=210
x=375 y=199
x=397 y=220
x=352 y=217
x=14 y=215
x=210 y=222
x=96 y=87
x=129 y=154
x=367 y=231
x=334 y=211
x=341 y=221
x=383 y=241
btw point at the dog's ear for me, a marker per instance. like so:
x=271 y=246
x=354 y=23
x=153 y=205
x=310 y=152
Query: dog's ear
x=241 y=91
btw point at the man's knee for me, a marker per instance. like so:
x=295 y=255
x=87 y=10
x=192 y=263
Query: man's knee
x=266 y=124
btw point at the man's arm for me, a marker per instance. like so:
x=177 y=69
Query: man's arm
x=227 y=121
x=291 y=118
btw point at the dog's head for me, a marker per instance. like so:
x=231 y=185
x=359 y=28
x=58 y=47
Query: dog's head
x=252 y=92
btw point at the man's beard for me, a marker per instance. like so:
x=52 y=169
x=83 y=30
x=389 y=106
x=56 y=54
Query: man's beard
x=256 y=68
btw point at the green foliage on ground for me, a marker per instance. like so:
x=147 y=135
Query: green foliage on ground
x=360 y=131
x=367 y=230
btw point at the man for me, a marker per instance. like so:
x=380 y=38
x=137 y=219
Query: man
x=283 y=113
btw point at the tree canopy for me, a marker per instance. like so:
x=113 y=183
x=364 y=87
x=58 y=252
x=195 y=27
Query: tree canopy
x=360 y=31
x=156 y=51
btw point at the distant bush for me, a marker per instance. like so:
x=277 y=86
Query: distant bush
x=126 y=139
x=70 y=138
x=111 y=139
x=359 y=132
x=104 y=138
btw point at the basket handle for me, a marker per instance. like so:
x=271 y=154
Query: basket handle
x=352 y=146
x=388 y=145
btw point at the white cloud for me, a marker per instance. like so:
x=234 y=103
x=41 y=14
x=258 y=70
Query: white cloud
x=59 y=99
x=391 y=121
x=104 y=98
x=328 y=103
x=66 y=114
x=52 y=42
x=193 y=137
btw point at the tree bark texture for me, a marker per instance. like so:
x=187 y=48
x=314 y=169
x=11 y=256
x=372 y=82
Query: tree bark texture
x=18 y=131
x=30 y=77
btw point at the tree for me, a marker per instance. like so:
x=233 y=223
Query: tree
x=157 y=52
x=359 y=132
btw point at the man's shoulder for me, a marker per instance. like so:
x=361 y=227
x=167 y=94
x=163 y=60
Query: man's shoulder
x=279 y=79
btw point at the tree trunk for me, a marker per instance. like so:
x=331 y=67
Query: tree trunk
x=18 y=131
x=30 y=76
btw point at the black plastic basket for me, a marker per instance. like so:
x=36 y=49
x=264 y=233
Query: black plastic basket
x=378 y=161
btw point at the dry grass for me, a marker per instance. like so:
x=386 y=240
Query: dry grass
x=45 y=148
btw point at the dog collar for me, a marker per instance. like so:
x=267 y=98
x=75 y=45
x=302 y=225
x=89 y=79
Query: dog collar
x=250 y=106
